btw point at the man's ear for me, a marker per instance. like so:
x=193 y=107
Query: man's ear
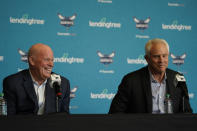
x=31 y=61
x=146 y=57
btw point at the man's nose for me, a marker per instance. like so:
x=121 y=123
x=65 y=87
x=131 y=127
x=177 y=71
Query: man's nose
x=51 y=63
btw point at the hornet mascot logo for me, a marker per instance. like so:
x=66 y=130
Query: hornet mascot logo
x=23 y=54
x=106 y=59
x=72 y=92
x=67 y=21
x=178 y=60
x=141 y=24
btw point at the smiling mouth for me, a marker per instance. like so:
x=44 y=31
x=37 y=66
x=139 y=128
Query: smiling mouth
x=160 y=67
x=48 y=70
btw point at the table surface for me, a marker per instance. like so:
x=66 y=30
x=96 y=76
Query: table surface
x=100 y=122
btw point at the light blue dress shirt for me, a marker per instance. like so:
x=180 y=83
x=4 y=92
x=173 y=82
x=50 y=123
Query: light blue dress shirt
x=158 y=94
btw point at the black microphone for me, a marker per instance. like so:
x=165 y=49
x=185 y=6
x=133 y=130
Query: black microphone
x=58 y=89
x=55 y=82
x=181 y=83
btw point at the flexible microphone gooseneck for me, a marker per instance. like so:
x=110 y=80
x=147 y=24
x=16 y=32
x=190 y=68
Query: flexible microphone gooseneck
x=181 y=83
x=55 y=83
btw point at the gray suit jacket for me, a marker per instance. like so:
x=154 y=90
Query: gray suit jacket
x=21 y=98
x=134 y=93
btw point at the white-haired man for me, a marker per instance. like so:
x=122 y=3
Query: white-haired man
x=145 y=90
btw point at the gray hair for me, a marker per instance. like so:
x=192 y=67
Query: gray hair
x=154 y=41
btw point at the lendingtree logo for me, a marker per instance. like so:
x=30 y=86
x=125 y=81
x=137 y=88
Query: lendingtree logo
x=103 y=95
x=139 y=60
x=66 y=59
x=176 y=26
x=25 y=19
x=104 y=24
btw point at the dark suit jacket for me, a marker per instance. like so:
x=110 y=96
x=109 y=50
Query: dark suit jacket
x=134 y=93
x=21 y=98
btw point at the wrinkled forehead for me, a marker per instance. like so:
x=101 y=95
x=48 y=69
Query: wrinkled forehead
x=159 y=48
x=46 y=52
x=41 y=52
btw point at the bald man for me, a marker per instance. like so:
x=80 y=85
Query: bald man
x=29 y=91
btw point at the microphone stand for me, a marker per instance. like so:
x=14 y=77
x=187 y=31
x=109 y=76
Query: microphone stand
x=184 y=95
x=57 y=104
x=58 y=95
x=183 y=103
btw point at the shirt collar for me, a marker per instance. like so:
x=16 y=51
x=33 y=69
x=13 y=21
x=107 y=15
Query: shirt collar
x=34 y=81
x=152 y=79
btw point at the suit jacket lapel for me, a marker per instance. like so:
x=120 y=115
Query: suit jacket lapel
x=146 y=78
x=49 y=97
x=29 y=88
